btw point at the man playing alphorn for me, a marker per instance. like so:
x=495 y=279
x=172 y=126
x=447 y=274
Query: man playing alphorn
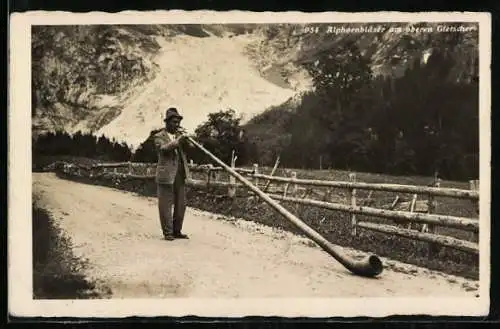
x=171 y=173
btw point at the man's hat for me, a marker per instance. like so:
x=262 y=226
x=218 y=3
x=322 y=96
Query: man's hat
x=172 y=112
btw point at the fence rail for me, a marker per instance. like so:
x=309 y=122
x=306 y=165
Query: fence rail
x=441 y=220
x=291 y=190
x=197 y=168
x=445 y=192
x=466 y=246
x=434 y=191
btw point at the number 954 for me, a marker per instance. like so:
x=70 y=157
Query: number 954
x=311 y=29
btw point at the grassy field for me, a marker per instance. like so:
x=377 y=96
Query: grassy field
x=445 y=206
x=334 y=225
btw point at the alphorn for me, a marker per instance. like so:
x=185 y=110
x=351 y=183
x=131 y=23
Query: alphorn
x=370 y=266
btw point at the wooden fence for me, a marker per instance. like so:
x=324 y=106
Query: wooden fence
x=297 y=190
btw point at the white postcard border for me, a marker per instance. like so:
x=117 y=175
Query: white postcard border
x=21 y=302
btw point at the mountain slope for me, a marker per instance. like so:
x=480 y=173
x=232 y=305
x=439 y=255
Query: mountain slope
x=391 y=47
x=118 y=80
x=82 y=73
x=199 y=76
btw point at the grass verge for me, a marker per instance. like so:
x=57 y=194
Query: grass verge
x=57 y=273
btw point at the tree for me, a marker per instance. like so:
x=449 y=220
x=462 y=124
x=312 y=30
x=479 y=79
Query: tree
x=422 y=121
x=331 y=121
x=60 y=143
x=267 y=135
x=221 y=134
x=146 y=152
x=345 y=71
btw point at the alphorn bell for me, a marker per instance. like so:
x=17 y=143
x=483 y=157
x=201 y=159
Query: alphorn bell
x=370 y=266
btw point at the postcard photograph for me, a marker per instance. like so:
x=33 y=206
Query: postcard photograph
x=232 y=164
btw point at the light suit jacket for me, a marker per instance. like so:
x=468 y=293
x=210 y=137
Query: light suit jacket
x=169 y=159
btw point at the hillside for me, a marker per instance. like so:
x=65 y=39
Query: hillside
x=199 y=76
x=390 y=50
x=118 y=80
x=399 y=103
x=81 y=74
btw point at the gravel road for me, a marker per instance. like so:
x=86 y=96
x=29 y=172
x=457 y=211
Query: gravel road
x=119 y=233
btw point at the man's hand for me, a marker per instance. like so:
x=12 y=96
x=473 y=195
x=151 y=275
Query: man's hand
x=181 y=139
x=178 y=141
x=187 y=142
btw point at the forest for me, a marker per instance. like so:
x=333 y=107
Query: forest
x=423 y=122
x=86 y=145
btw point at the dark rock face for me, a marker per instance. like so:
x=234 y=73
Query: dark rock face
x=81 y=72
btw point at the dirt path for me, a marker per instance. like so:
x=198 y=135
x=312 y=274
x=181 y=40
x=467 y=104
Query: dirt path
x=119 y=233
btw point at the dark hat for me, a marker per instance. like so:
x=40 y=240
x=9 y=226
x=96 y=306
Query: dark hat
x=172 y=112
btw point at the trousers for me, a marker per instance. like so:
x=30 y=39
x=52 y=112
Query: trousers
x=172 y=196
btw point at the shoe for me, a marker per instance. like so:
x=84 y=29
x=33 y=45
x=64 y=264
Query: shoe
x=180 y=236
x=169 y=237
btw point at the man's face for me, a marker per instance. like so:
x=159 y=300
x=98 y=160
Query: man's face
x=173 y=123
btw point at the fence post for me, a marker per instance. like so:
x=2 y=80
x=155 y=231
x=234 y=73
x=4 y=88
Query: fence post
x=352 y=194
x=215 y=175
x=209 y=176
x=256 y=172
x=276 y=163
x=328 y=192
x=412 y=207
x=432 y=206
x=285 y=189
x=474 y=186
x=130 y=168
x=293 y=177
x=294 y=185
x=232 y=182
